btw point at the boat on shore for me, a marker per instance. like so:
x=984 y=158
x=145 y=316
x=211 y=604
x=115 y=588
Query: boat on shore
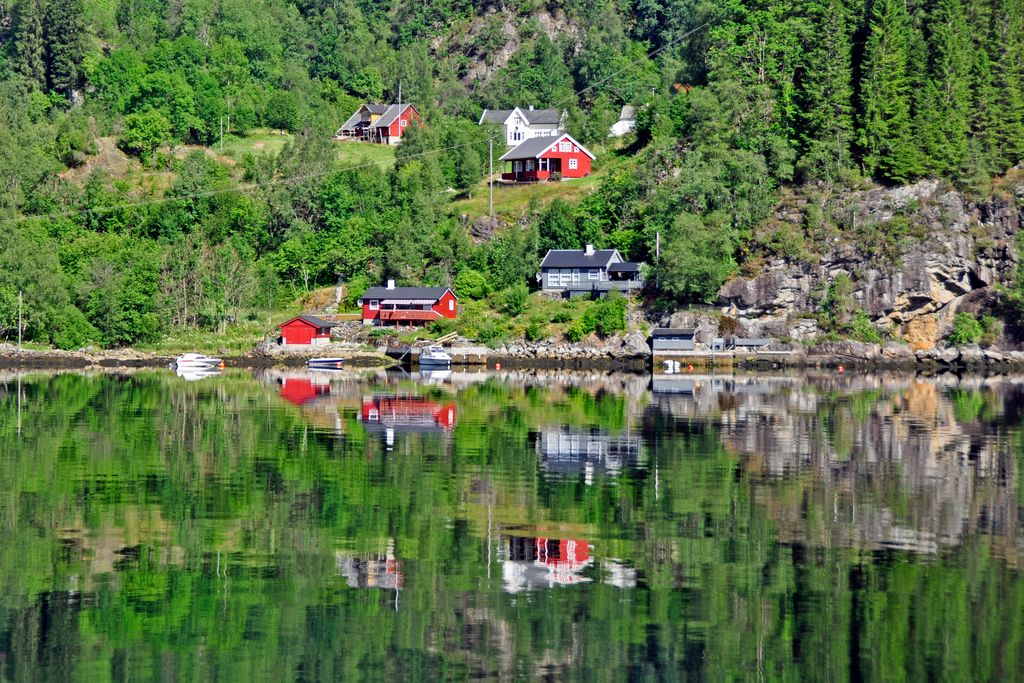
x=435 y=357
x=332 y=363
x=192 y=361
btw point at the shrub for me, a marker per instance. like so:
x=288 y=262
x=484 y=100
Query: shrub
x=471 y=284
x=514 y=300
x=863 y=330
x=561 y=316
x=966 y=330
x=610 y=315
x=492 y=332
x=535 y=331
x=70 y=329
x=144 y=132
x=993 y=328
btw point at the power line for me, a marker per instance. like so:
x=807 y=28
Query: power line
x=242 y=187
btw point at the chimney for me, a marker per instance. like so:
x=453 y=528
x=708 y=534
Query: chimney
x=391 y=284
x=590 y=250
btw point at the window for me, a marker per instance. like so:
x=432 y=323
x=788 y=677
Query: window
x=517 y=166
x=529 y=164
x=564 y=146
x=592 y=274
x=404 y=123
x=542 y=165
x=374 y=305
x=451 y=304
x=572 y=164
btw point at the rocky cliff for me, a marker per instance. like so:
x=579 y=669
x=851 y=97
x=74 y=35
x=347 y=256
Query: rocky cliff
x=914 y=256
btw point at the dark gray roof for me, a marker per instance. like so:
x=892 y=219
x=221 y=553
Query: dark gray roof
x=624 y=267
x=383 y=293
x=673 y=332
x=578 y=258
x=494 y=116
x=312 y=320
x=389 y=116
x=530 y=149
x=377 y=108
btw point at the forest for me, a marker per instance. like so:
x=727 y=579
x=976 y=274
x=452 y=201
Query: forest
x=123 y=220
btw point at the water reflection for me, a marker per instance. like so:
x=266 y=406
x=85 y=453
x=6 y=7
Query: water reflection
x=533 y=524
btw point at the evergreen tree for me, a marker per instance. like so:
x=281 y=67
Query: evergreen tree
x=29 y=42
x=64 y=32
x=886 y=133
x=827 y=93
x=943 y=118
x=1006 y=44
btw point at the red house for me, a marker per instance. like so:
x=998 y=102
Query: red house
x=380 y=123
x=392 y=305
x=306 y=330
x=553 y=157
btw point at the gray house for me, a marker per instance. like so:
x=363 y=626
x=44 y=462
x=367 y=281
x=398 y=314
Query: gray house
x=672 y=339
x=588 y=271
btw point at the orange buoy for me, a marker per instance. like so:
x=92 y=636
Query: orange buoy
x=689 y=367
x=497 y=366
x=841 y=369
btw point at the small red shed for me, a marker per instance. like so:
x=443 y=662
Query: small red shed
x=392 y=305
x=306 y=330
x=548 y=158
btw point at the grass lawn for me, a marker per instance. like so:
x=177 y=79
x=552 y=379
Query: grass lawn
x=237 y=339
x=258 y=141
x=352 y=153
x=512 y=201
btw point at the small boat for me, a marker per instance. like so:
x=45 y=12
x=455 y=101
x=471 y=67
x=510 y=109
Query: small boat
x=435 y=356
x=671 y=366
x=197 y=360
x=325 y=363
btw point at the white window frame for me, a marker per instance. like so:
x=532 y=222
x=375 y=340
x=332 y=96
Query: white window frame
x=529 y=164
x=573 y=164
x=564 y=146
x=374 y=305
x=593 y=274
x=404 y=123
x=451 y=304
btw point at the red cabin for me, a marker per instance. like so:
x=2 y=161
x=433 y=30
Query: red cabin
x=412 y=305
x=549 y=158
x=306 y=330
x=380 y=123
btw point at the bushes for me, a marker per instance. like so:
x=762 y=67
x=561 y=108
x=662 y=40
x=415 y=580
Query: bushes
x=471 y=284
x=863 y=330
x=966 y=330
x=606 y=317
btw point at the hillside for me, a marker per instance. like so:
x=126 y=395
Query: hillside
x=126 y=219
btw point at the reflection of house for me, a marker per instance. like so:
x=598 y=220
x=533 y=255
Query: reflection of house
x=574 y=451
x=300 y=390
x=412 y=413
x=548 y=158
x=525 y=124
x=370 y=572
x=533 y=563
x=588 y=271
x=381 y=123
x=392 y=305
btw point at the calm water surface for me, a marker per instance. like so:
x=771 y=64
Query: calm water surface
x=283 y=525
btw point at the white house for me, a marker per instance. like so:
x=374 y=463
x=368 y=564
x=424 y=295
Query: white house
x=626 y=123
x=526 y=124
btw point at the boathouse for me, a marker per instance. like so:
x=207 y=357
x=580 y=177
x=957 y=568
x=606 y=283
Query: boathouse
x=306 y=330
x=392 y=305
x=672 y=339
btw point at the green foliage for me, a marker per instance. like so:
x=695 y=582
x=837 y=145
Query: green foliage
x=471 y=284
x=514 y=300
x=535 y=331
x=966 y=330
x=837 y=306
x=863 y=330
x=144 y=132
x=696 y=259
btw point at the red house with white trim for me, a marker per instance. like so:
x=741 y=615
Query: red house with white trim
x=552 y=157
x=306 y=330
x=380 y=123
x=392 y=305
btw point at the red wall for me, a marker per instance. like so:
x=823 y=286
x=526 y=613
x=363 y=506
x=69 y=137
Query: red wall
x=300 y=332
x=582 y=161
x=395 y=129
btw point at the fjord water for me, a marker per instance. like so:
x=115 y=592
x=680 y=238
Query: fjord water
x=283 y=525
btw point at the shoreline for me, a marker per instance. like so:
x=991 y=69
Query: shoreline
x=839 y=356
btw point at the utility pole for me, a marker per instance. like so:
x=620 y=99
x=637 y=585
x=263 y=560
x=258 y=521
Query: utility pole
x=222 y=134
x=490 y=176
x=19 y=320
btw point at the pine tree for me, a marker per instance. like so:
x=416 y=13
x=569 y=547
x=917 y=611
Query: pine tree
x=64 y=32
x=1006 y=44
x=827 y=93
x=943 y=117
x=29 y=43
x=886 y=132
